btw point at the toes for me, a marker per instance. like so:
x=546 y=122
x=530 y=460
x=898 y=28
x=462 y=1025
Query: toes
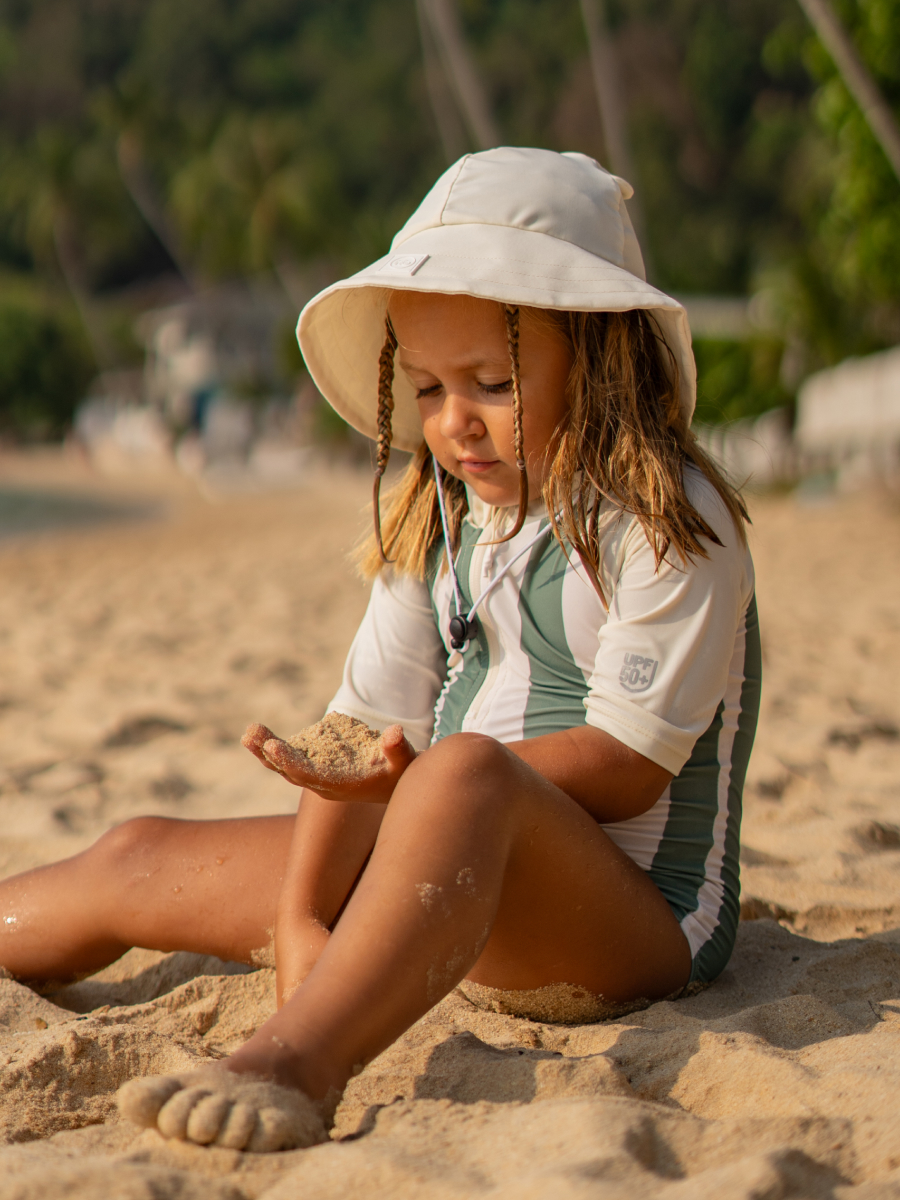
x=215 y=1107
x=207 y=1117
x=174 y=1115
x=274 y=1131
x=140 y=1100
x=238 y=1128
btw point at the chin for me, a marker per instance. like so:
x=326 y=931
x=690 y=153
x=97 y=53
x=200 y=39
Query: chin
x=495 y=496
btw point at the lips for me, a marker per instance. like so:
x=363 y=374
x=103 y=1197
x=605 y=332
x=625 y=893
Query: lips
x=477 y=464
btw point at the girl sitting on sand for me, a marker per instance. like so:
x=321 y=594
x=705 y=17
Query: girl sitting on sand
x=561 y=649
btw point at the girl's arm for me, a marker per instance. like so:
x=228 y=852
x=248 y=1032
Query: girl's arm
x=394 y=671
x=678 y=619
x=334 y=834
x=608 y=779
x=329 y=849
x=333 y=837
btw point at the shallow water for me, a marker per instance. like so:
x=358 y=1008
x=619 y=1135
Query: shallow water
x=27 y=510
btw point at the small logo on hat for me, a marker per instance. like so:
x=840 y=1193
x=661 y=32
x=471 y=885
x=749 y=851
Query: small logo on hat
x=404 y=264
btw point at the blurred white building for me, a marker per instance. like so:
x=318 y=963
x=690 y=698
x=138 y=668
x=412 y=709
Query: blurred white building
x=224 y=340
x=848 y=419
x=754 y=452
x=211 y=399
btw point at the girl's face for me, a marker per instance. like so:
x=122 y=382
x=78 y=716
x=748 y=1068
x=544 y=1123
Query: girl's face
x=454 y=351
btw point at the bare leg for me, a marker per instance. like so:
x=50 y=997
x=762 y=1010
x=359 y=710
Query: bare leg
x=331 y=843
x=207 y=886
x=481 y=866
x=213 y=887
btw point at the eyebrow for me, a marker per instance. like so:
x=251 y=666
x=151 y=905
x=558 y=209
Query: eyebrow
x=462 y=364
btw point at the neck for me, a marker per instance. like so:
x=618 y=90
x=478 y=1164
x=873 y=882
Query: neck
x=482 y=514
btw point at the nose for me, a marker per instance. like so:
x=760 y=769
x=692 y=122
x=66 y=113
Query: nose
x=459 y=418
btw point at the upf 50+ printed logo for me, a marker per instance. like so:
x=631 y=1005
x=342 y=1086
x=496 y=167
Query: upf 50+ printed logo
x=638 y=673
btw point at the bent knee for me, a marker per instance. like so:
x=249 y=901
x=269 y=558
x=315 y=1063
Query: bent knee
x=462 y=760
x=470 y=752
x=135 y=839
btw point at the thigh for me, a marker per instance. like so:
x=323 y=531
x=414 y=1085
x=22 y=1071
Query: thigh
x=574 y=908
x=207 y=886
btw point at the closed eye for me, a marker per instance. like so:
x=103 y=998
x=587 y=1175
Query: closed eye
x=489 y=389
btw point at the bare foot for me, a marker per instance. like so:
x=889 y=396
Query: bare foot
x=216 y=1107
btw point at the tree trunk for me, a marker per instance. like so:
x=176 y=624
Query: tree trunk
x=613 y=114
x=446 y=114
x=856 y=76
x=470 y=94
x=140 y=188
x=73 y=274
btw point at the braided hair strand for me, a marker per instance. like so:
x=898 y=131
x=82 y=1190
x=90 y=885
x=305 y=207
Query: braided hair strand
x=511 y=315
x=383 y=423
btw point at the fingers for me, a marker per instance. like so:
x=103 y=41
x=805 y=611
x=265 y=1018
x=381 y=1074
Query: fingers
x=396 y=748
x=255 y=737
x=277 y=755
x=290 y=762
x=391 y=758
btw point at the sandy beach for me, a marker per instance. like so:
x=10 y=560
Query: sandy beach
x=135 y=650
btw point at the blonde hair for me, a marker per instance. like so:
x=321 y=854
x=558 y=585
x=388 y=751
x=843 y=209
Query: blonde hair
x=624 y=439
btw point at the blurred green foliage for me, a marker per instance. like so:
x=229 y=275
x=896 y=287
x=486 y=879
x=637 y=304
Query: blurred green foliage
x=738 y=379
x=228 y=138
x=841 y=281
x=45 y=367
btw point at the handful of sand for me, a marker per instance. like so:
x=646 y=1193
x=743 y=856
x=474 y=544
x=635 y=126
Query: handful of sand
x=339 y=747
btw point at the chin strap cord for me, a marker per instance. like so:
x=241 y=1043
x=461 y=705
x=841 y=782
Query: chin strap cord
x=463 y=628
x=439 y=479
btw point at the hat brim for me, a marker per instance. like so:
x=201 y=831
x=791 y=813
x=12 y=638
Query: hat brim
x=341 y=330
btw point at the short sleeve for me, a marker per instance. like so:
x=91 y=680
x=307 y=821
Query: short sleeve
x=396 y=665
x=665 y=651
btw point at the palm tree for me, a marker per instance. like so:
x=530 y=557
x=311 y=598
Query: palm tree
x=51 y=185
x=441 y=27
x=125 y=112
x=249 y=203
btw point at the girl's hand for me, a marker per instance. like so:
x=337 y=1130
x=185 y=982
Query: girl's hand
x=375 y=787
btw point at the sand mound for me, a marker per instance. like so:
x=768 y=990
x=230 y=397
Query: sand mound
x=777 y=1081
x=124 y=1181
x=138 y=977
x=133 y=661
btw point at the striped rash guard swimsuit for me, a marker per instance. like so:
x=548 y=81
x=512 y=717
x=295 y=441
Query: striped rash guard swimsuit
x=672 y=671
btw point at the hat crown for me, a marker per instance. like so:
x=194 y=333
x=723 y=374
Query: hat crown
x=566 y=196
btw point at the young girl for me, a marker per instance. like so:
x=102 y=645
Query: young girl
x=561 y=650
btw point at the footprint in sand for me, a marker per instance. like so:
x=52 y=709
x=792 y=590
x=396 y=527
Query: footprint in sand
x=217 y=1107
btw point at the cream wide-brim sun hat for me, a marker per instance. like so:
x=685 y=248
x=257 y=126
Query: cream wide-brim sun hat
x=516 y=225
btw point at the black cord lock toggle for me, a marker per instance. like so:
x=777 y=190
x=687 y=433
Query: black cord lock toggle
x=461 y=631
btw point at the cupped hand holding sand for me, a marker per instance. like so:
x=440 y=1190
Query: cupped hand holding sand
x=339 y=757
